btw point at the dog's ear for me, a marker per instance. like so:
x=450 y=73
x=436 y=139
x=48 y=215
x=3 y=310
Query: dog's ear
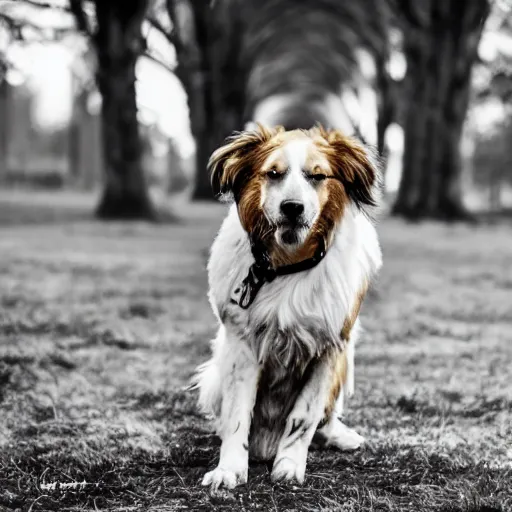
x=231 y=165
x=357 y=167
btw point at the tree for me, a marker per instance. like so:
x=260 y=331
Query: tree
x=11 y=29
x=116 y=39
x=440 y=43
x=234 y=54
x=4 y=120
x=118 y=43
x=492 y=162
x=208 y=40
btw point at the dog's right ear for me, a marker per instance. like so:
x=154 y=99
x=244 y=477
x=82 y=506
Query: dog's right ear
x=231 y=165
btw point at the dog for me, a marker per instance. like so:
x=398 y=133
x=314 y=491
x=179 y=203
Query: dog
x=288 y=272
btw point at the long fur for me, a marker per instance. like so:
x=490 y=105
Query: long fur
x=299 y=320
x=295 y=316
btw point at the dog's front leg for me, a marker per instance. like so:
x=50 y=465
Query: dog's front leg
x=301 y=424
x=239 y=372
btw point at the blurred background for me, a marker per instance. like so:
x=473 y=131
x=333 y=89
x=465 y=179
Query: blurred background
x=128 y=99
x=109 y=110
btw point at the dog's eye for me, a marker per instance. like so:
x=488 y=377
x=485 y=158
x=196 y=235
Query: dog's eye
x=273 y=174
x=317 y=177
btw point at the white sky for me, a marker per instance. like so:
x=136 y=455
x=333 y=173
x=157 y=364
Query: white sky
x=160 y=96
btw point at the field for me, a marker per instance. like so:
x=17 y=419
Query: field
x=101 y=326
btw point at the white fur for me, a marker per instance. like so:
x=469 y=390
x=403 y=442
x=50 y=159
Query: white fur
x=292 y=452
x=237 y=381
x=293 y=186
x=336 y=433
x=324 y=295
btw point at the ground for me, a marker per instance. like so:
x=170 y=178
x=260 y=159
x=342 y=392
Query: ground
x=101 y=326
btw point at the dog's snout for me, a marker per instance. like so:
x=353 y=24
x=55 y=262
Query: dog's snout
x=292 y=209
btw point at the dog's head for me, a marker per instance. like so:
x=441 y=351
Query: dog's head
x=292 y=187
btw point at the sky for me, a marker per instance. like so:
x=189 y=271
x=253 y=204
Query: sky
x=46 y=69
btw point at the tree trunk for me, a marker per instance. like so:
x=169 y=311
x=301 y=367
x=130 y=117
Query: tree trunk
x=4 y=128
x=386 y=103
x=76 y=157
x=495 y=195
x=205 y=145
x=202 y=105
x=221 y=118
x=85 y=155
x=440 y=51
x=219 y=39
x=208 y=45
x=119 y=45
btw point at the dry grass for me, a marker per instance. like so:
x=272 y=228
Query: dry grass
x=102 y=324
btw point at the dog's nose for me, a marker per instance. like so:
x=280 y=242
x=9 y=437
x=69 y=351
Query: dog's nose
x=292 y=209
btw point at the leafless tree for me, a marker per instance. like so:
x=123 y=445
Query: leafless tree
x=113 y=28
x=440 y=43
x=4 y=120
x=208 y=38
x=234 y=53
x=117 y=40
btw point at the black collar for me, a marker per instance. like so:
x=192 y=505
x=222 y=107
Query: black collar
x=261 y=272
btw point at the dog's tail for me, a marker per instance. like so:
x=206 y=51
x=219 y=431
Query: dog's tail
x=207 y=381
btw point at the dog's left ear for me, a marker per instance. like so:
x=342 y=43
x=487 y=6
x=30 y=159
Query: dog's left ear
x=231 y=165
x=356 y=167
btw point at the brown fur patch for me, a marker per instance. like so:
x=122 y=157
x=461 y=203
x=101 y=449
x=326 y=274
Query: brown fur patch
x=351 y=165
x=234 y=169
x=352 y=317
x=338 y=365
x=339 y=359
x=234 y=163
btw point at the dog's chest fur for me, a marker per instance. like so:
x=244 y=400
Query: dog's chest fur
x=295 y=317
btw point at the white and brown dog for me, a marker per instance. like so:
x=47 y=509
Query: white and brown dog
x=287 y=273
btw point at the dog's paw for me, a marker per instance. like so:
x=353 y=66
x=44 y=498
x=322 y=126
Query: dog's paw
x=349 y=440
x=341 y=437
x=287 y=469
x=225 y=477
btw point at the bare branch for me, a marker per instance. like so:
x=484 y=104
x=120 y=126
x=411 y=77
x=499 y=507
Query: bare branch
x=170 y=35
x=416 y=15
x=41 y=5
x=15 y=26
x=82 y=22
x=158 y=61
x=355 y=125
x=16 y=23
x=178 y=37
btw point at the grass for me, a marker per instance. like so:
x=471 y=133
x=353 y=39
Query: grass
x=101 y=326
